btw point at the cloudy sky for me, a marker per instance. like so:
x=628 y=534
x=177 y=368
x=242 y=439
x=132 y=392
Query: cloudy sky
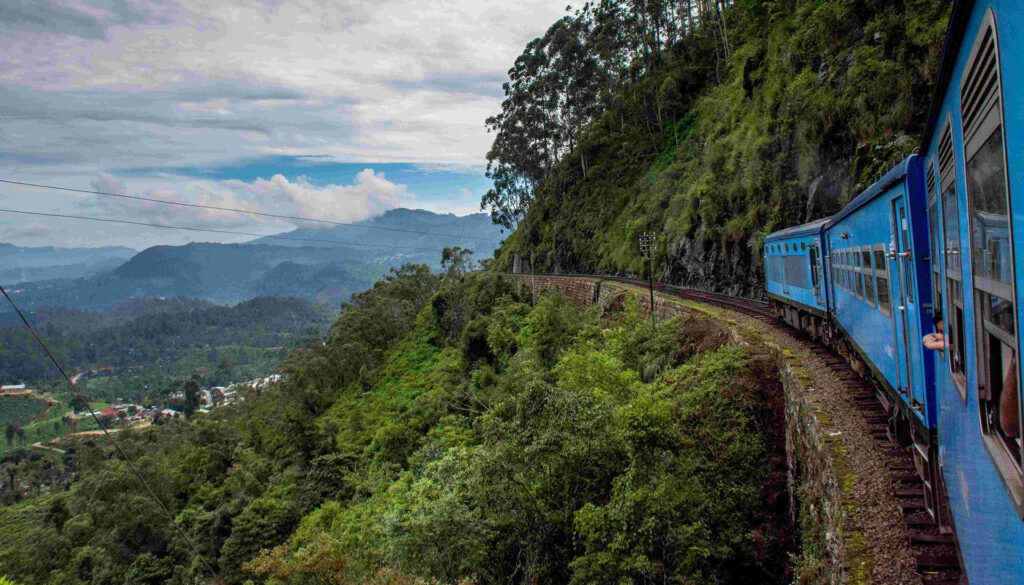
x=336 y=110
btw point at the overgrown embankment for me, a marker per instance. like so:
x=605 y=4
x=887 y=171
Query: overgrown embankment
x=710 y=123
x=451 y=430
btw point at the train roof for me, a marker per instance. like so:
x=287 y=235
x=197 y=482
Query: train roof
x=807 y=229
x=958 y=20
x=894 y=176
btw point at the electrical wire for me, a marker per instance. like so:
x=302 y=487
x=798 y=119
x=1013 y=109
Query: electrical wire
x=215 y=231
x=235 y=210
x=110 y=437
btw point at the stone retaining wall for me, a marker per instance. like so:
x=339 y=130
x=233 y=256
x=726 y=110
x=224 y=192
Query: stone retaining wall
x=830 y=551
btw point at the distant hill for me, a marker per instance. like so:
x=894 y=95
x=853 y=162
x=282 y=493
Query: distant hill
x=227 y=273
x=220 y=273
x=18 y=264
x=475 y=231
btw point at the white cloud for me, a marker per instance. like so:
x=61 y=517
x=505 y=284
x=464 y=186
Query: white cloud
x=371 y=194
x=195 y=82
x=91 y=88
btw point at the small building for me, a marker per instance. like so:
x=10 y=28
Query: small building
x=12 y=388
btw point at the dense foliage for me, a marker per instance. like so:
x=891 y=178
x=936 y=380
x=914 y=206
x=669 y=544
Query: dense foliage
x=451 y=429
x=709 y=122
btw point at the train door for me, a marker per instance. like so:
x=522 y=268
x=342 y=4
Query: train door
x=901 y=265
x=815 y=260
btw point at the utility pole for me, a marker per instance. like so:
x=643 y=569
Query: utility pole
x=647 y=243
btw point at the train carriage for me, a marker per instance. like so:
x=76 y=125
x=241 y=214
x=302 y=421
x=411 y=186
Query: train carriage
x=879 y=248
x=794 y=266
x=973 y=157
x=935 y=239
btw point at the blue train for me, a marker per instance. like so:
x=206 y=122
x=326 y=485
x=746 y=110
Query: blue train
x=930 y=249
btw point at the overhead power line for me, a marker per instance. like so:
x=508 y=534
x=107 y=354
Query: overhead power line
x=110 y=437
x=215 y=231
x=236 y=210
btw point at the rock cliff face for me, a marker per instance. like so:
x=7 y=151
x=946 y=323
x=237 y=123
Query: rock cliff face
x=814 y=101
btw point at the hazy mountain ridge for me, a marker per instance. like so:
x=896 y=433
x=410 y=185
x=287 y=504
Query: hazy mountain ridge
x=475 y=231
x=20 y=264
x=227 y=273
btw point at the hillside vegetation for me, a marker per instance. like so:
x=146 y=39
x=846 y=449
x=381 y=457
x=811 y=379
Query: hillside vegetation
x=452 y=429
x=157 y=335
x=711 y=123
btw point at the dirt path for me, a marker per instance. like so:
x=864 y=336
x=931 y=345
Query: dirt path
x=39 y=445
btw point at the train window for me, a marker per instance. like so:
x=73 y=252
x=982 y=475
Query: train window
x=803 y=246
x=882 y=281
x=846 y=276
x=991 y=255
x=935 y=239
x=954 y=313
x=842 y=269
x=858 y=274
x=869 y=276
x=848 y=273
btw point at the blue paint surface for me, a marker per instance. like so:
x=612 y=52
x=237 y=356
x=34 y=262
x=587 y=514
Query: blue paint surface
x=984 y=484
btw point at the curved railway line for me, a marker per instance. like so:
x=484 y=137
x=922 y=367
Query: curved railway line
x=935 y=552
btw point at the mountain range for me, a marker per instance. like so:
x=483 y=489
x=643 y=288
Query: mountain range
x=327 y=268
x=19 y=264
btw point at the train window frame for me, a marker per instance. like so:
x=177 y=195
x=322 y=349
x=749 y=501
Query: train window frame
x=846 y=271
x=954 y=314
x=858 y=274
x=842 y=270
x=851 y=287
x=936 y=240
x=869 y=275
x=882 y=275
x=983 y=120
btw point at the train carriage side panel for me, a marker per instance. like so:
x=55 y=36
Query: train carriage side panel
x=974 y=151
x=795 y=271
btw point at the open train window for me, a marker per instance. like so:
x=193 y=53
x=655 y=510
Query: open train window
x=858 y=274
x=882 y=281
x=988 y=210
x=869 y=276
x=954 y=314
x=935 y=240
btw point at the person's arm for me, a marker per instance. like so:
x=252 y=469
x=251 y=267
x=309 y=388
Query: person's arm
x=1009 y=405
x=936 y=341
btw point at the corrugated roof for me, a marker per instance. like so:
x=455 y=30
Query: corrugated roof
x=807 y=229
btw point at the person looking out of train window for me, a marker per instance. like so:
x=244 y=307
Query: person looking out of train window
x=936 y=340
x=1009 y=409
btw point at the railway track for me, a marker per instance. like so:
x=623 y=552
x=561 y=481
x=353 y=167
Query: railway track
x=934 y=550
